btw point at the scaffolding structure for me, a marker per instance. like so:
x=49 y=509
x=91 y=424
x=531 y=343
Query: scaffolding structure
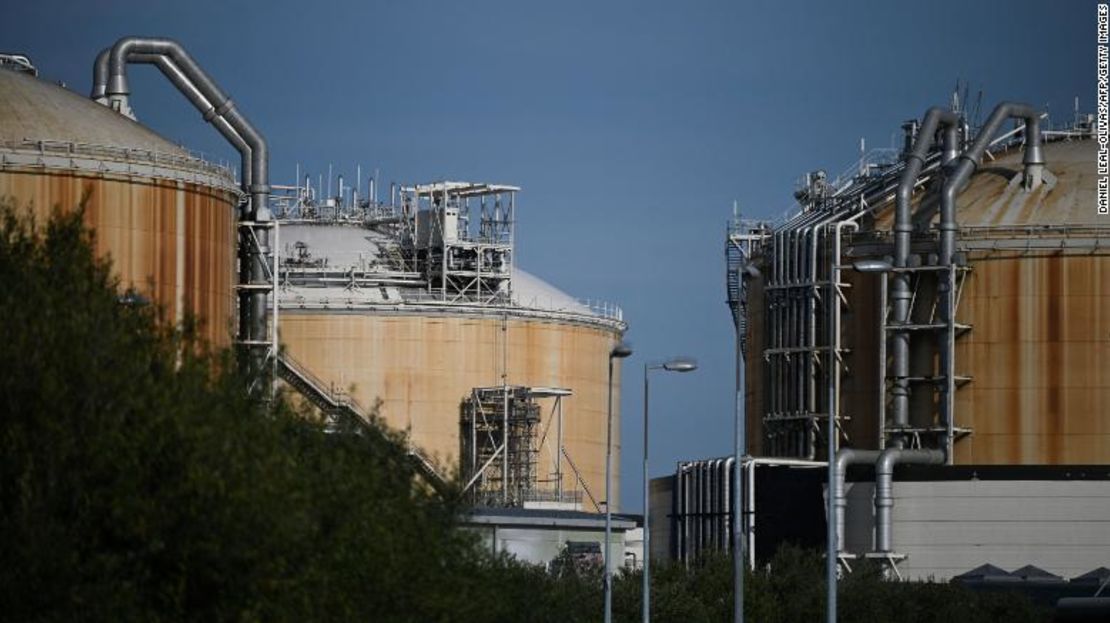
x=500 y=441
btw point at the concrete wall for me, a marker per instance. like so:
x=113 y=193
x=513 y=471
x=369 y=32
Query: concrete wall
x=949 y=527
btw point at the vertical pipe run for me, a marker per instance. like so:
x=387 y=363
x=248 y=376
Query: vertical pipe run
x=831 y=559
x=884 y=488
x=844 y=458
x=953 y=184
x=900 y=292
x=218 y=109
x=749 y=516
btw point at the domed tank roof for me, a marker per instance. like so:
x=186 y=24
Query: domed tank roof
x=995 y=196
x=44 y=126
x=352 y=247
x=995 y=199
x=33 y=109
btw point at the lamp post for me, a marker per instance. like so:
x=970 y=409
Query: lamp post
x=832 y=546
x=677 y=364
x=745 y=273
x=620 y=351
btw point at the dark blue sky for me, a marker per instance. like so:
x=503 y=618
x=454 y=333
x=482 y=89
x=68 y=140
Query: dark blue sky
x=631 y=126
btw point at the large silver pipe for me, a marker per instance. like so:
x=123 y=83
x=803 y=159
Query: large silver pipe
x=900 y=293
x=844 y=458
x=968 y=161
x=724 y=506
x=884 y=487
x=222 y=105
x=953 y=184
x=190 y=76
x=174 y=74
x=680 y=512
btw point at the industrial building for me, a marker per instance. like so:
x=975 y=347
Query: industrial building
x=411 y=308
x=944 y=308
x=939 y=311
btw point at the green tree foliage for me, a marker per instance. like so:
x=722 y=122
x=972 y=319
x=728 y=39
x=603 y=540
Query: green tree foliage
x=140 y=482
x=791 y=587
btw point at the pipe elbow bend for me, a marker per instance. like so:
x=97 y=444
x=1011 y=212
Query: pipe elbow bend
x=884 y=466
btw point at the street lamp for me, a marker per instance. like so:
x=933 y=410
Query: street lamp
x=832 y=560
x=745 y=273
x=677 y=364
x=620 y=351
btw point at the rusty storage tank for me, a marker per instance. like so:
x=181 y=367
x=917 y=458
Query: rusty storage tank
x=358 y=317
x=1032 y=347
x=165 y=217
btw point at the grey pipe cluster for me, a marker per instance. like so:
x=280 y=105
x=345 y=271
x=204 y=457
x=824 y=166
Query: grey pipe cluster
x=900 y=293
x=703 y=505
x=110 y=87
x=174 y=74
x=968 y=162
x=960 y=168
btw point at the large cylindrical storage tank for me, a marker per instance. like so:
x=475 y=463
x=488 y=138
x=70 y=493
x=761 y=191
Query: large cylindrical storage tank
x=164 y=217
x=1037 y=299
x=421 y=357
x=1034 y=363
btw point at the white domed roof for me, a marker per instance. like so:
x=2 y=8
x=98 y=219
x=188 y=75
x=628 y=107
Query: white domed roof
x=350 y=246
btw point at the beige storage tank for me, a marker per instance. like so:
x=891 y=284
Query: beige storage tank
x=164 y=217
x=1037 y=299
x=1034 y=365
x=421 y=356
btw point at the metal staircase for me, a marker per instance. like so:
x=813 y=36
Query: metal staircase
x=340 y=407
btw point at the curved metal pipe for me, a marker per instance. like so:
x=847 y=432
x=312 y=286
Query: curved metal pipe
x=968 y=162
x=218 y=109
x=100 y=77
x=900 y=293
x=178 y=78
x=953 y=184
x=221 y=104
x=884 y=487
x=844 y=458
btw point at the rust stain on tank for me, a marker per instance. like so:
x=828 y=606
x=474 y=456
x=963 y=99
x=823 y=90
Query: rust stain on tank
x=1039 y=349
x=421 y=367
x=135 y=224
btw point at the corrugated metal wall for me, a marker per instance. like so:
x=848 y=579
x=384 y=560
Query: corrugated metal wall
x=949 y=527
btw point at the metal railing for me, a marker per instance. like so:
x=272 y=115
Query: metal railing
x=53 y=154
x=187 y=159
